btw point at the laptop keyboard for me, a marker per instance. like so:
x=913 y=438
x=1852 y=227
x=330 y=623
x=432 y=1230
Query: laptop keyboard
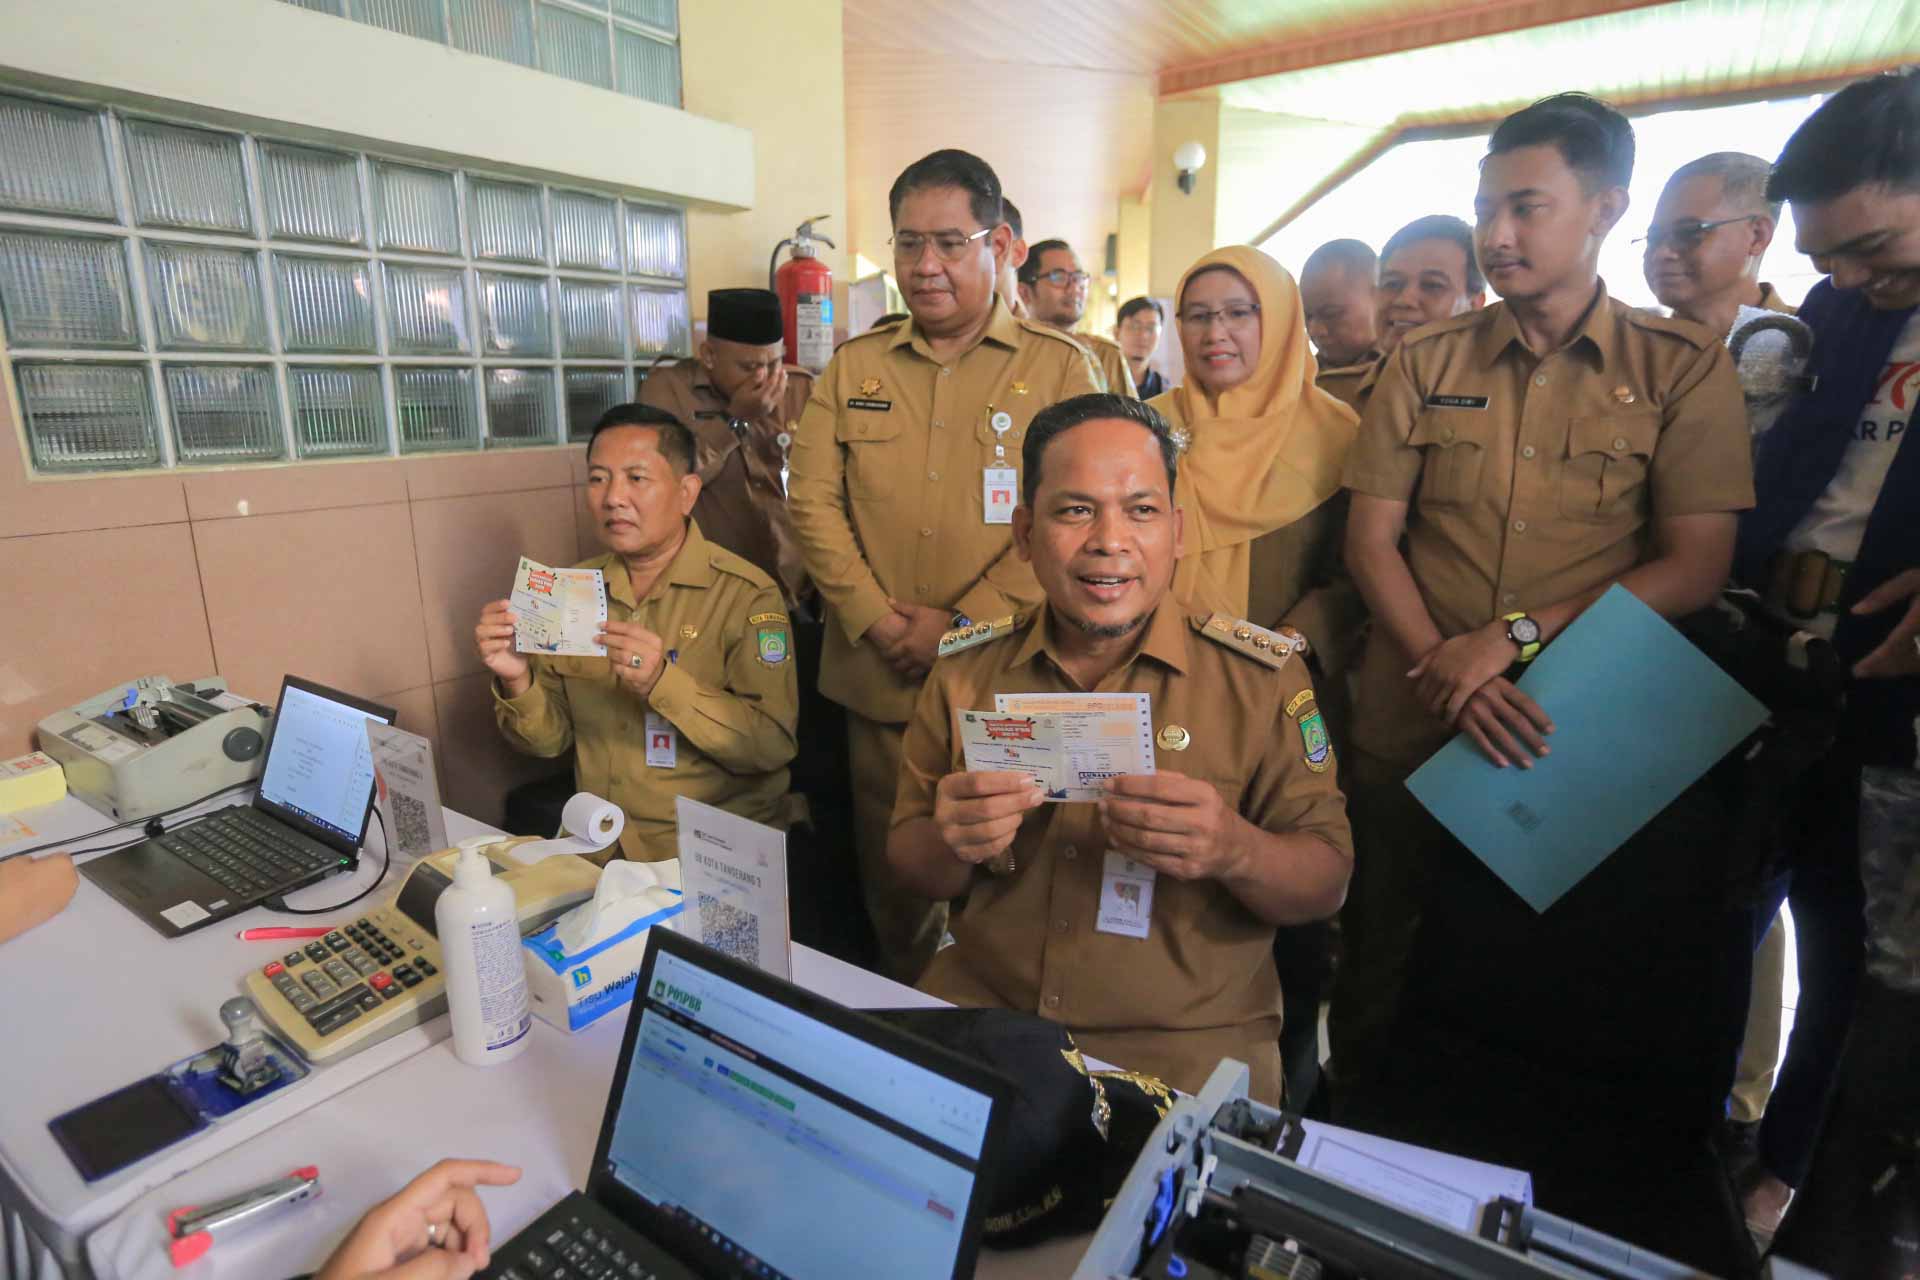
x=571 y=1248
x=249 y=855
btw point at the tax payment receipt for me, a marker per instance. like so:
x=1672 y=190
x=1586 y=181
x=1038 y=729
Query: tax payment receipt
x=558 y=611
x=1070 y=742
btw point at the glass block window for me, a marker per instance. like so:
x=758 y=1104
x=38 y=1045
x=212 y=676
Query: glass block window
x=630 y=46
x=178 y=295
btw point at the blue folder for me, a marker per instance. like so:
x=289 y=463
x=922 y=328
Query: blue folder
x=1638 y=713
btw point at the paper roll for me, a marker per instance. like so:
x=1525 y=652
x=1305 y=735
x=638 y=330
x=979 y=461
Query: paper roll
x=588 y=824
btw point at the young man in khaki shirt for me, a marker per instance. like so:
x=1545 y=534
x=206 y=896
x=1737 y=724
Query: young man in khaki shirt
x=1241 y=828
x=1053 y=285
x=696 y=695
x=904 y=478
x=1512 y=464
x=742 y=405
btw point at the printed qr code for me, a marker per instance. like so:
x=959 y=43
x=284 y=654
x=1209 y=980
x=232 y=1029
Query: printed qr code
x=729 y=930
x=410 y=817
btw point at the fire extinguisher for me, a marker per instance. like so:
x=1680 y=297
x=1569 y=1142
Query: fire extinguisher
x=805 y=286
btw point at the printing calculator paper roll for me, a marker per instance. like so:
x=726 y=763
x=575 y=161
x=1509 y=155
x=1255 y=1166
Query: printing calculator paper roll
x=589 y=824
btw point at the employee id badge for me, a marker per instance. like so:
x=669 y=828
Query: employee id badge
x=1001 y=486
x=1126 y=897
x=663 y=742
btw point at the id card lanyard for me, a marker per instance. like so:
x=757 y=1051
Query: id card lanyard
x=999 y=482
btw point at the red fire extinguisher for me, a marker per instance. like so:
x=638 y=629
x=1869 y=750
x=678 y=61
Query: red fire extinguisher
x=805 y=286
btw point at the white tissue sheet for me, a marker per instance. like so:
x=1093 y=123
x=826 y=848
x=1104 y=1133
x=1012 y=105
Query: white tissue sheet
x=583 y=965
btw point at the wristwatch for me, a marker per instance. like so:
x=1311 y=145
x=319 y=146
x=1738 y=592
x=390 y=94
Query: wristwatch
x=1525 y=632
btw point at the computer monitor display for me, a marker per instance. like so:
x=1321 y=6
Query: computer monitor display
x=319 y=768
x=792 y=1147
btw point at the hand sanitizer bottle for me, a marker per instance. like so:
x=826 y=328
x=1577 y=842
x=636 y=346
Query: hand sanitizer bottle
x=480 y=950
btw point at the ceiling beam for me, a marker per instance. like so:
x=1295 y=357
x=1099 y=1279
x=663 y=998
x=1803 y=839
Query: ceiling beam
x=1414 y=31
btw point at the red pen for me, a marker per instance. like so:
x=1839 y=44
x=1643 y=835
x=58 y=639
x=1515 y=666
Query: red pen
x=278 y=932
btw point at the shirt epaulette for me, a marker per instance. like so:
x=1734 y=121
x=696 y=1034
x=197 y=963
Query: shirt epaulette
x=725 y=561
x=1040 y=330
x=975 y=633
x=1452 y=324
x=1269 y=648
x=1697 y=335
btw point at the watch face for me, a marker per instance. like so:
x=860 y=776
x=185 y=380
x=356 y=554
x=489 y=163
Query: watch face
x=1524 y=631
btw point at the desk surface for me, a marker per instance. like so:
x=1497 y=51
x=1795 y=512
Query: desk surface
x=541 y=1111
x=94 y=999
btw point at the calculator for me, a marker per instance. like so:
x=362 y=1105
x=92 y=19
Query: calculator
x=380 y=974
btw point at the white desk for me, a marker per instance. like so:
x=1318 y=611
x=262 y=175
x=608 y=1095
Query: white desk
x=94 y=999
x=541 y=1111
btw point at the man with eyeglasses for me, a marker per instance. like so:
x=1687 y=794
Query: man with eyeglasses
x=1054 y=287
x=1140 y=324
x=1833 y=543
x=1709 y=232
x=1514 y=463
x=904 y=478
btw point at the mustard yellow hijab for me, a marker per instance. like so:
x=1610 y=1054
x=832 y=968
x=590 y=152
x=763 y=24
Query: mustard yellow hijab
x=1265 y=453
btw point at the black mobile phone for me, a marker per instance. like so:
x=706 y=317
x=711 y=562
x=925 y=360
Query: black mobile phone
x=124 y=1127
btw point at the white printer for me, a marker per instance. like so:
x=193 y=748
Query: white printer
x=150 y=745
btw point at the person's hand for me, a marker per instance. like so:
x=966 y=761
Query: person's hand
x=888 y=636
x=978 y=814
x=1454 y=669
x=761 y=397
x=1899 y=653
x=1174 y=824
x=434 y=1228
x=1500 y=719
x=921 y=644
x=637 y=654
x=493 y=639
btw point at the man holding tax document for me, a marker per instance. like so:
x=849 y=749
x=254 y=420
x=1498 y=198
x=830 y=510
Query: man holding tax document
x=1141 y=916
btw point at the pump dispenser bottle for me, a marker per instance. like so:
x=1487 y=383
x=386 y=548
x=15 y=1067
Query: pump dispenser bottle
x=486 y=977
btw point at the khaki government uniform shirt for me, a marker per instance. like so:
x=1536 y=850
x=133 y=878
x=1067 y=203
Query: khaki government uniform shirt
x=729 y=694
x=742 y=505
x=887 y=482
x=1115 y=373
x=1533 y=479
x=1346 y=382
x=1202 y=985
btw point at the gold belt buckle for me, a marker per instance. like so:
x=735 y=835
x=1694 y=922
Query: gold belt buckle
x=1807 y=583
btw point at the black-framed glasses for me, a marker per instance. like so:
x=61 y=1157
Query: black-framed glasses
x=1060 y=277
x=1238 y=316
x=1687 y=233
x=950 y=246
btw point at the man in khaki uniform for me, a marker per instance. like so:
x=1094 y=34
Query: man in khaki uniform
x=1337 y=302
x=1143 y=922
x=742 y=405
x=1709 y=233
x=696 y=694
x=1053 y=285
x=1427 y=273
x=1007 y=279
x=1512 y=464
x=905 y=475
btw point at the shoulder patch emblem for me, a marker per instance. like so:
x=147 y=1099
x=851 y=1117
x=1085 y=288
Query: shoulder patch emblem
x=1315 y=748
x=770 y=644
x=967 y=637
x=1269 y=648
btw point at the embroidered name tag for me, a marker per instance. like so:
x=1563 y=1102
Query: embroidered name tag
x=1456 y=402
x=861 y=402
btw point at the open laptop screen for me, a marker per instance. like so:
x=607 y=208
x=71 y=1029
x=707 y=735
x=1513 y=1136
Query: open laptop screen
x=805 y=1150
x=319 y=770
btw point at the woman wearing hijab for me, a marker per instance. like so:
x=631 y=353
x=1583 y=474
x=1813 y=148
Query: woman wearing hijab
x=1265 y=517
x=1260 y=479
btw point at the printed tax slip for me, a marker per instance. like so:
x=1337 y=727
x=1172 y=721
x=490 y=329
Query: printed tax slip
x=1071 y=742
x=558 y=611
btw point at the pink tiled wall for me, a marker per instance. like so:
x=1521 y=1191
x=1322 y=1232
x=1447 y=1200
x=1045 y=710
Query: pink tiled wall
x=363 y=575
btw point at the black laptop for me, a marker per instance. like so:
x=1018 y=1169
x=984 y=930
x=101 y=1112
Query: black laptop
x=758 y=1130
x=306 y=822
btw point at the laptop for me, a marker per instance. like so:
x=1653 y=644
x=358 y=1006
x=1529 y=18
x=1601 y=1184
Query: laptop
x=758 y=1130
x=306 y=822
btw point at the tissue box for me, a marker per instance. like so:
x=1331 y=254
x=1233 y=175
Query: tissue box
x=575 y=991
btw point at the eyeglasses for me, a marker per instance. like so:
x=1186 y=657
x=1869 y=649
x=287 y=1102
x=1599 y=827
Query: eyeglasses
x=948 y=245
x=1687 y=233
x=1200 y=319
x=1060 y=277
